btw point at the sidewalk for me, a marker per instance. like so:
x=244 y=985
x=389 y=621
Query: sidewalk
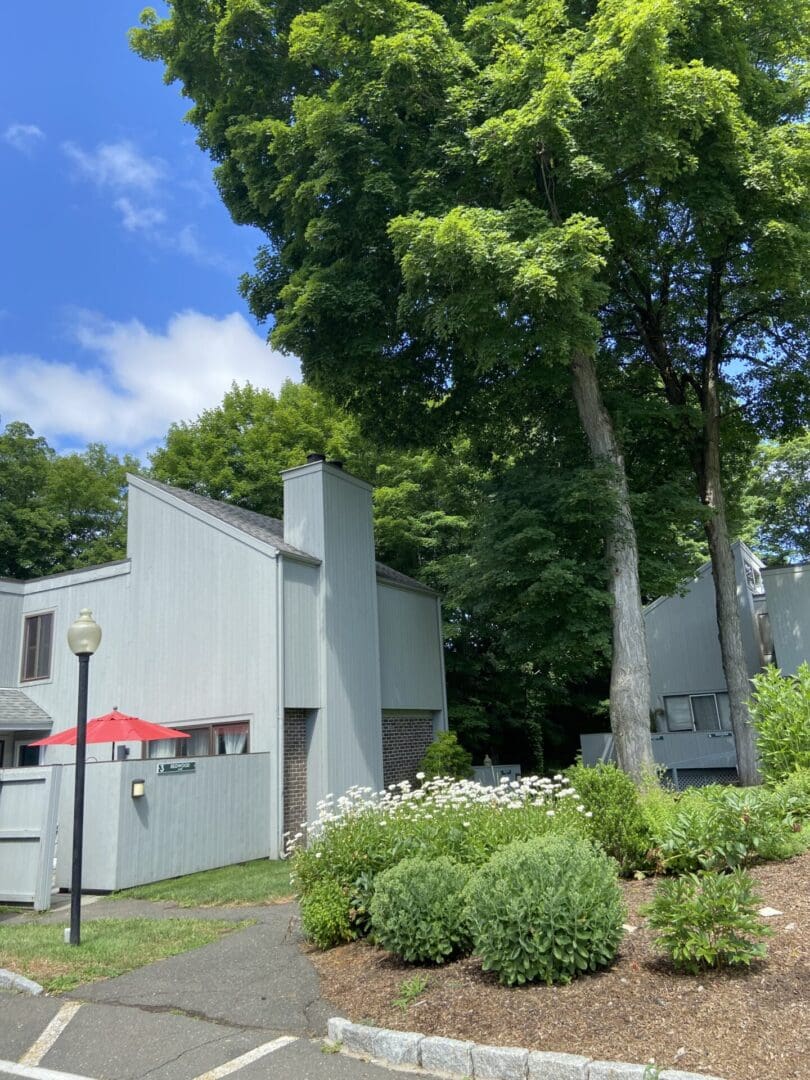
x=187 y=1017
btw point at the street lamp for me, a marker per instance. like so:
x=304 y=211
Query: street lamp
x=84 y=637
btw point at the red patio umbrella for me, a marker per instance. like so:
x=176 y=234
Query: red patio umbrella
x=114 y=727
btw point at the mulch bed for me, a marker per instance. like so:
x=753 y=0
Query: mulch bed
x=752 y=1024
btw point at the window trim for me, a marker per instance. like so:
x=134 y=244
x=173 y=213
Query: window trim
x=213 y=730
x=28 y=617
x=708 y=693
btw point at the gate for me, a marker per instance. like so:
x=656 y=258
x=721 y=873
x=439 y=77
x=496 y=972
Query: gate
x=29 y=804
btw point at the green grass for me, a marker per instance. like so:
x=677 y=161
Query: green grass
x=260 y=882
x=109 y=947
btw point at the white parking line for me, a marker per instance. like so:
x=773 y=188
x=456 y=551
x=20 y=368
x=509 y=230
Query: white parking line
x=33 y=1072
x=40 y=1048
x=246 y=1059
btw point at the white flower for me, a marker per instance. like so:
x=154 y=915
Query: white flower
x=420 y=776
x=588 y=814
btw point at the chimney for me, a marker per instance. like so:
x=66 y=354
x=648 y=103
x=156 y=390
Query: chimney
x=327 y=513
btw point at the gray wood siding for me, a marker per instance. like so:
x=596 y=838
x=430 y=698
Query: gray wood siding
x=788 y=592
x=682 y=641
x=302 y=688
x=106 y=591
x=183 y=823
x=10 y=633
x=202 y=622
x=410 y=650
x=328 y=514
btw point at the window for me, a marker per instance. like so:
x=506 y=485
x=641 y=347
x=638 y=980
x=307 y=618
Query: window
x=753 y=578
x=697 y=712
x=37 y=635
x=203 y=741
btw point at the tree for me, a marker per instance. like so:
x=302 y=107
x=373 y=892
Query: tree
x=58 y=512
x=777 y=501
x=404 y=268
x=26 y=529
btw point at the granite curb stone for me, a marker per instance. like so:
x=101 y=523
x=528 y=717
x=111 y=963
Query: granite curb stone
x=458 y=1058
x=677 y=1074
x=544 y=1065
x=500 y=1062
x=397 y=1047
x=447 y=1055
x=10 y=980
x=616 y=1070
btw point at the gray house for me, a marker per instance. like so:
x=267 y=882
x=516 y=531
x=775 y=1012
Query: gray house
x=689 y=707
x=256 y=636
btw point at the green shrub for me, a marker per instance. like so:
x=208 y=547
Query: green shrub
x=793 y=797
x=719 y=828
x=617 y=823
x=708 y=920
x=446 y=757
x=780 y=712
x=417 y=910
x=545 y=909
x=325 y=915
x=363 y=833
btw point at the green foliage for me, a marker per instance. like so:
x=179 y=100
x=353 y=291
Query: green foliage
x=777 y=501
x=353 y=842
x=719 y=828
x=360 y=895
x=325 y=914
x=793 y=795
x=780 y=712
x=708 y=920
x=446 y=757
x=617 y=823
x=58 y=512
x=547 y=909
x=410 y=990
x=417 y=911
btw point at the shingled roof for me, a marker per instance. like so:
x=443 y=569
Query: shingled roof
x=18 y=711
x=268 y=529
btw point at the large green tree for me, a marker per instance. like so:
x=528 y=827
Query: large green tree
x=58 y=511
x=776 y=501
x=466 y=204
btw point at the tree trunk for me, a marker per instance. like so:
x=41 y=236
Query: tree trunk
x=630 y=674
x=729 y=630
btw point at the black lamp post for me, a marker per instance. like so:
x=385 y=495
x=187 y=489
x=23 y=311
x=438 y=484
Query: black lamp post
x=84 y=637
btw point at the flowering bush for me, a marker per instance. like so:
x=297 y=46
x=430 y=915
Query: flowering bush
x=364 y=832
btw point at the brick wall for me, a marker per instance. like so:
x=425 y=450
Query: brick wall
x=405 y=740
x=295 y=769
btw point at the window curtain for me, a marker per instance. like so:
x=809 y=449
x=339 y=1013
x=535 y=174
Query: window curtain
x=233 y=739
x=162 y=748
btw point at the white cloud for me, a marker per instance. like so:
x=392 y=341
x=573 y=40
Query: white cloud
x=23 y=137
x=138 y=381
x=138 y=218
x=118 y=165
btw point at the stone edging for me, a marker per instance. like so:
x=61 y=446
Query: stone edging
x=455 y=1058
x=9 y=980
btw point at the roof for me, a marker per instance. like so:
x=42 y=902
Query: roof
x=268 y=529
x=259 y=526
x=17 y=710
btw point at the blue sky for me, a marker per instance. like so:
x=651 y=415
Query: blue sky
x=119 y=311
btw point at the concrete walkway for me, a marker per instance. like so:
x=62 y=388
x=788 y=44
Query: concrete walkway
x=246 y=1005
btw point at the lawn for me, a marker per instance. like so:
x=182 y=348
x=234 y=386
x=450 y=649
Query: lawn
x=262 y=881
x=109 y=947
